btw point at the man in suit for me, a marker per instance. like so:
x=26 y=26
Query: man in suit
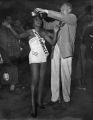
x=61 y=63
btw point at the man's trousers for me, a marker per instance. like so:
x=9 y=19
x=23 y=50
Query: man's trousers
x=60 y=68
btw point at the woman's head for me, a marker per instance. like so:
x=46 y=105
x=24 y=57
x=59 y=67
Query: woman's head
x=37 y=21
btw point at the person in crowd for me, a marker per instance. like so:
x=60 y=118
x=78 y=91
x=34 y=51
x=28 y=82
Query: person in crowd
x=61 y=63
x=1 y=62
x=10 y=46
x=8 y=22
x=18 y=26
x=38 y=61
x=1 y=59
x=84 y=22
x=86 y=53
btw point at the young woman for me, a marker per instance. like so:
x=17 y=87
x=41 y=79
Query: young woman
x=38 y=60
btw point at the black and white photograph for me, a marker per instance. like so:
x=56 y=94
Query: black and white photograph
x=46 y=59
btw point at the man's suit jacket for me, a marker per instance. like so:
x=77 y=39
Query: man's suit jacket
x=66 y=35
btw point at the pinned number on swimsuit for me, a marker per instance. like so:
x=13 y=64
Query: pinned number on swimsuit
x=35 y=53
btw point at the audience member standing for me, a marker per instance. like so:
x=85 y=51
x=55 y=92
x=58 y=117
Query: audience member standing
x=9 y=45
x=84 y=22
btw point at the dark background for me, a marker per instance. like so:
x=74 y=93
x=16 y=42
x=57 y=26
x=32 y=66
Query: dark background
x=20 y=8
x=17 y=104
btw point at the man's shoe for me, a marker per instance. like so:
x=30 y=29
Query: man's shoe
x=33 y=115
x=41 y=106
x=34 y=112
x=51 y=103
x=65 y=104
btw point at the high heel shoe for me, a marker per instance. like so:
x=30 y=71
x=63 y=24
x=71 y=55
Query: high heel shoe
x=34 y=111
x=33 y=107
x=33 y=114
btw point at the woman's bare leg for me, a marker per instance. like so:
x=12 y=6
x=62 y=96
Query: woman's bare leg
x=35 y=74
x=41 y=83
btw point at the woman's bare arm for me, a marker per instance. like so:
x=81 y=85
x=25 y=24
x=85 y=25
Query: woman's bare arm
x=51 y=38
x=27 y=34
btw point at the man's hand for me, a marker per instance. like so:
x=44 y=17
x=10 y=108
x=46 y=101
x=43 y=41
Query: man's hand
x=40 y=10
x=56 y=28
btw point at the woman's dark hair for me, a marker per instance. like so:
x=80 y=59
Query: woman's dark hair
x=37 y=16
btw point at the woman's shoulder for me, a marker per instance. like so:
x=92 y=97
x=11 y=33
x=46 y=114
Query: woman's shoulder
x=31 y=32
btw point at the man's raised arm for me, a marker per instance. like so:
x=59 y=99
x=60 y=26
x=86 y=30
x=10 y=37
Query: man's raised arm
x=69 y=18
